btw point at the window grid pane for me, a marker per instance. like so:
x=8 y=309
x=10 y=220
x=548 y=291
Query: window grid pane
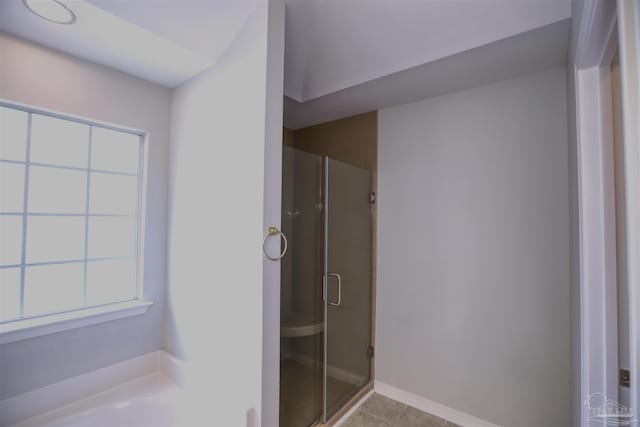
x=128 y=276
x=13 y=134
x=86 y=221
x=25 y=209
x=63 y=167
x=58 y=142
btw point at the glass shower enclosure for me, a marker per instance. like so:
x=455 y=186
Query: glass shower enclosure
x=326 y=297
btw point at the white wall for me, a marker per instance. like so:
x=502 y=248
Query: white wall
x=217 y=185
x=576 y=340
x=594 y=285
x=473 y=298
x=629 y=37
x=36 y=75
x=272 y=214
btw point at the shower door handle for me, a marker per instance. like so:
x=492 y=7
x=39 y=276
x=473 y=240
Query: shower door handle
x=326 y=297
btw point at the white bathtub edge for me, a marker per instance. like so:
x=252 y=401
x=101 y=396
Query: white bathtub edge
x=41 y=400
x=171 y=366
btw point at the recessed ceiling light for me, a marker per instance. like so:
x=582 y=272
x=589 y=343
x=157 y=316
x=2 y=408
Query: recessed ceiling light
x=51 y=10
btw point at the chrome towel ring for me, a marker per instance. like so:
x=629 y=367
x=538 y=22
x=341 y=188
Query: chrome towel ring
x=273 y=231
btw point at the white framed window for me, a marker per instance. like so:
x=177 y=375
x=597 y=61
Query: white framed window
x=71 y=194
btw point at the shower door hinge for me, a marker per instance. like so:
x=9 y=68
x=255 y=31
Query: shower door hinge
x=625 y=378
x=370 y=352
x=372 y=197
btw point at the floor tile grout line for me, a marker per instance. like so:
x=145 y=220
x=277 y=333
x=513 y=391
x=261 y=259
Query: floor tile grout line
x=392 y=422
x=404 y=409
x=446 y=422
x=374 y=416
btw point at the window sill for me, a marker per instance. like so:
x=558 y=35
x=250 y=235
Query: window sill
x=30 y=328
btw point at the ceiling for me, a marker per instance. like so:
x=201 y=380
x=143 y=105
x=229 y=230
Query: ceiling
x=342 y=57
x=169 y=46
x=332 y=45
x=525 y=53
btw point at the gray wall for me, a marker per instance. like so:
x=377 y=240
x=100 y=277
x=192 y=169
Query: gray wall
x=473 y=305
x=35 y=75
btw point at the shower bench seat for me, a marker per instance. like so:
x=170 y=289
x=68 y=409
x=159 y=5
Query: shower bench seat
x=299 y=325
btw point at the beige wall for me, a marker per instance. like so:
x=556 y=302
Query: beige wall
x=288 y=137
x=353 y=140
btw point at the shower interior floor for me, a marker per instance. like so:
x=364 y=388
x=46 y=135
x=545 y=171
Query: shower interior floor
x=301 y=393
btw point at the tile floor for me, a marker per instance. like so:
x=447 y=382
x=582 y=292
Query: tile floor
x=380 y=411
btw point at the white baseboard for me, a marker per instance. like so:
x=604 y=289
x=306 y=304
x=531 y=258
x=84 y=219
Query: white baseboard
x=332 y=371
x=433 y=408
x=36 y=402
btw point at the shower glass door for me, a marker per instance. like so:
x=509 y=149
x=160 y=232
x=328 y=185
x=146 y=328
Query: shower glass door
x=302 y=310
x=347 y=282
